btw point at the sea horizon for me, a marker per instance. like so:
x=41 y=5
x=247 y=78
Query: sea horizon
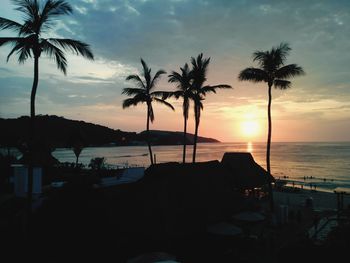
x=325 y=162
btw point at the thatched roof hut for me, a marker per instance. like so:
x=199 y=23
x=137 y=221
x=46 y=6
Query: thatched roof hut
x=244 y=171
x=187 y=196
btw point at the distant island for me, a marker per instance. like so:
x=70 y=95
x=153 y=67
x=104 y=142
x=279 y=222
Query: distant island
x=59 y=131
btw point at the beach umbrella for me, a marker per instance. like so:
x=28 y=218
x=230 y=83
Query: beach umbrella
x=224 y=229
x=249 y=216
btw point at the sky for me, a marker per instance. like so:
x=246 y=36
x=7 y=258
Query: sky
x=166 y=34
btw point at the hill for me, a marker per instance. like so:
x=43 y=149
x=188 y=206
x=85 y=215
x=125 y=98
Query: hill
x=59 y=132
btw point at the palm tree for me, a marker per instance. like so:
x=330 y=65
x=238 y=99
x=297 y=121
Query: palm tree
x=199 y=72
x=144 y=93
x=39 y=17
x=273 y=71
x=183 y=81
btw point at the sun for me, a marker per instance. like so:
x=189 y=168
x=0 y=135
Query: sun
x=250 y=128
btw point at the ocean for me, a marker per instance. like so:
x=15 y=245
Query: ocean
x=324 y=164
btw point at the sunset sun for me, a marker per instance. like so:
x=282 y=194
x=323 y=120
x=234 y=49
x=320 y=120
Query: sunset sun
x=250 y=128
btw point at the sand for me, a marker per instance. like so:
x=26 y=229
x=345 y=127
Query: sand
x=320 y=200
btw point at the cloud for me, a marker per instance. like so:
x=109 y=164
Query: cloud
x=166 y=33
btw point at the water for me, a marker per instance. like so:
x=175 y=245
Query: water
x=327 y=163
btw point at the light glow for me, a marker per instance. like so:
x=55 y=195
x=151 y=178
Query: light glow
x=250 y=128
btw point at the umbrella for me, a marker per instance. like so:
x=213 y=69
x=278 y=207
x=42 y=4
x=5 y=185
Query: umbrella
x=249 y=217
x=224 y=229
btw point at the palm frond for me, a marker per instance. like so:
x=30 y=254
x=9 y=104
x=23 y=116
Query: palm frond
x=16 y=47
x=282 y=50
x=74 y=46
x=177 y=94
x=9 y=24
x=9 y=40
x=51 y=10
x=133 y=91
x=164 y=102
x=260 y=56
x=174 y=77
x=137 y=80
x=222 y=86
x=29 y=8
x=156 y=78
x=271 y=60
x=253 y=74
x=24 y=53
x=146 y=73
x=185 y=70
x=131 y=102
x=199 y=62
x=288 y=71
x=183 y=80
x=199 y=70
x=54 y=52
x=161 y=94
x=28 y=28
x=282 y=84
x=21 y=46
x=207 y=89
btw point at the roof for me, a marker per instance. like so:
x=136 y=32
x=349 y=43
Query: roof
x=186 y=196
x=192 y=184
x=245 y=172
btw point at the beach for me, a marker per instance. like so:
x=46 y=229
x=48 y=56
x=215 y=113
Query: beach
x=320 y=200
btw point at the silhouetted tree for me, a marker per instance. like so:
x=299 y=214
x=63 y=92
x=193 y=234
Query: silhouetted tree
x=39 y=17
x=273 y=71
x=144 y=94
x=198 y=73
x=97 y=163
x=183 y=82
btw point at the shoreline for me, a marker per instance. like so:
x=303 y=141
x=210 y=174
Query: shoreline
x=321 y=200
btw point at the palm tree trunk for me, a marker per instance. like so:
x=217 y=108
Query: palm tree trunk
x=195 y=134
x=269 y=146
x=185 y=135
x=148 y=136
x=32 y=131
x=31 y=141
x=195 y=143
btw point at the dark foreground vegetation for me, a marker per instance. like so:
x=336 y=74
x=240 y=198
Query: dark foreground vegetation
x=163 y=212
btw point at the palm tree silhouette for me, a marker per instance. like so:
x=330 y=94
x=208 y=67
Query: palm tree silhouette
x=198 y=73
x=29 y=42
x=183 y=81
x=274 y=72
x=144 y=94
x=38 y=19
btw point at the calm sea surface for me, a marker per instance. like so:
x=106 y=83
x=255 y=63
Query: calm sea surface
x=327 y=163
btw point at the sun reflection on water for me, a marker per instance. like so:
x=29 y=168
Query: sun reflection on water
x=249 y=147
